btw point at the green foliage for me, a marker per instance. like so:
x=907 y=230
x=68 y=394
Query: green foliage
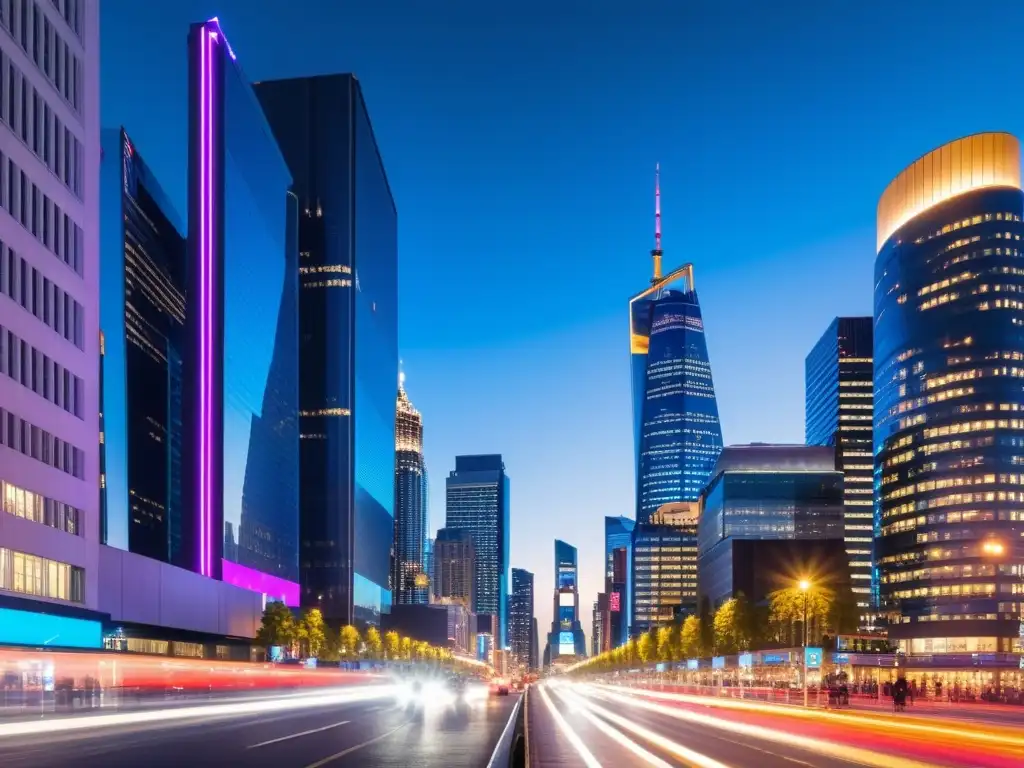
x=665 y=644
x=350 y=641
x=733 y=626
x=311 y=630
x=690 y=638
x=278 y=626
x=392 y=645
x=373 y=641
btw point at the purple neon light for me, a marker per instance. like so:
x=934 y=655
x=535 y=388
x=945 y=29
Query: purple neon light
x=256 y=581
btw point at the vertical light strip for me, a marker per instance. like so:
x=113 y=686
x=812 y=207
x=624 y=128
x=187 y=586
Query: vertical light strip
x=209 y=313
x=204 y=374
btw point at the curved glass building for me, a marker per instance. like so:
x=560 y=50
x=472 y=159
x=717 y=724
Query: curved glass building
x=949 y=396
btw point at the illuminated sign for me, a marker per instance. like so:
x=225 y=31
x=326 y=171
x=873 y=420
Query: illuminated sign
x=774 y=658
x=812 y=658
x=718 y=662
x=566 y=600
x=614 y=602
x=31 y=628
x=746 y=660
x=693 y=663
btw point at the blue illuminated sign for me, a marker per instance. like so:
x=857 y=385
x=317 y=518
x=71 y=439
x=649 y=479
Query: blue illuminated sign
x=29 y=628
x=718 y=662
x=746 y=660
x=812 y=658
x=840 y=658
x=693 y=663
x=565 y=638
x=774 y=658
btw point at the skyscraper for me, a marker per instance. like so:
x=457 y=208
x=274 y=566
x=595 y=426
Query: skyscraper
x=454 y=576
x=838 y=406
x=618 y=537
x=348 y=326
x=241 y=393
x=664 y=567
x=142 y=285
x=520 y=617
x=566 y=637
x=49 y=315
x=948 y=424
x=677 y=433
x=477 y=501
x=410 y=579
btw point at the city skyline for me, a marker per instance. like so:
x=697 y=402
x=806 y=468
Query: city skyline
x=534 y=360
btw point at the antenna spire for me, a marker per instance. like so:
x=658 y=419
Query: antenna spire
x=656 y=253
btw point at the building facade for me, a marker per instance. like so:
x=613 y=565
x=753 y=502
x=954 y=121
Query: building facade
x=618 y=545
x=241 y=396
x=142 y=301
x=410 y=580
x=454 y=575
x=948 y=425
x=520 y=617
x=766 y=492
x=477 y=502
x=664 y=567
x=566 y=638
x=49 y=311
x=348 y=318
x=839 y=396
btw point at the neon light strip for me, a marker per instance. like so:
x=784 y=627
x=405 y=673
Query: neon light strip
x=204 y=374
x=208 y=313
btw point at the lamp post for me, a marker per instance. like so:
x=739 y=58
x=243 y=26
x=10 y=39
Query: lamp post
x=805 y=587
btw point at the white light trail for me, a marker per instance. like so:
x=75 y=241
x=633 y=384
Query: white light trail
x=581 y=749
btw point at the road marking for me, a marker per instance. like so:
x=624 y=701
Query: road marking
x=504 y=732
x=297 y=735
x=350 y=750
x=581 y=749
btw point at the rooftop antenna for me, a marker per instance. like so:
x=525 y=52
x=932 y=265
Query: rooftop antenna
x=656 y=253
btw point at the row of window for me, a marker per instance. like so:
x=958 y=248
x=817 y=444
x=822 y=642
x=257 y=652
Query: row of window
x=30 y=27
x=47 y=378
x=29 y=116
x=39 y=509
x=952 y=227
x=37 y=213
x=40 y=576
x=30 y=440
x=26 y=285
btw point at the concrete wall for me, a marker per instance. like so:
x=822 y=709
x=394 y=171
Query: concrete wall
x=144 y=591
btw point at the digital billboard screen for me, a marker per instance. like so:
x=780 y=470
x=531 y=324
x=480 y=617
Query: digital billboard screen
x=614 y=602
x=566 y=600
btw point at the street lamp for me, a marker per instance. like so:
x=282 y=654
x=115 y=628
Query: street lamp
x=805 y=587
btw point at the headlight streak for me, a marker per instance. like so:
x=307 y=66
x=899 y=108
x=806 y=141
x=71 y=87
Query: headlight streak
x=843 y=752
x=584 y=708
x=988 y=737
x=581 y=749
x=83 y=722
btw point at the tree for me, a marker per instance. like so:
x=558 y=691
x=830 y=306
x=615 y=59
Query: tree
x=646 y=646
x=732 y=626
x=406 y=652
x=844 y=615
x=690 y=638
x=786 y=610
x=350 y=641
x=663 y=641
x=374 y=644
x=277 y=627
x=311 y=630
x=392 y=645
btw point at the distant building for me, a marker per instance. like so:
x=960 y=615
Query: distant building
x=765 y=493
x=454 y=567
x=618 y=543
x=664 y=567
x=600 y=637
x=534 y=646
x=520 y=613
x=839 y=402
x=348 y=318
x=566 y=637
x=410 y=580
x=477 y=502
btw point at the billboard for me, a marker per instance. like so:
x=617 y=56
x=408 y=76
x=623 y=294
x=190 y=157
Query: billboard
x=614 y=602
x=566 y=644
x=566 y=600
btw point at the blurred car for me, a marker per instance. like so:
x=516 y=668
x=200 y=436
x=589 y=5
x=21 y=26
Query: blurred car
x=499 y=686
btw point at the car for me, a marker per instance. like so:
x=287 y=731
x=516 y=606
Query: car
x=499 y=687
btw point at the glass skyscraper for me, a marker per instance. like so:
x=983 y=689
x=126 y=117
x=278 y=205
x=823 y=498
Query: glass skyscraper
x=520 y=617
x=663 y=568
x=618 y=538
x=477 y=502
x=949 y=410
x=839 y=391
x=142 y=305
x=566 y=637
x=410 y=581
x=348 y=356
x=241 y=395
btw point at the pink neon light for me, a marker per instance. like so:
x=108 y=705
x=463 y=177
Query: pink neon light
x=210 y=274
x=273 y=587
x=657 y=207
x=204 y=373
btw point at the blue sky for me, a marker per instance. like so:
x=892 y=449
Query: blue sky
x=520 y=142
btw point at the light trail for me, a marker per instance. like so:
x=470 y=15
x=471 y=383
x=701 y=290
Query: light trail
x=590 y=711
x=84 y=722
x=989 y=736
x=566 y=729
x=843 y=752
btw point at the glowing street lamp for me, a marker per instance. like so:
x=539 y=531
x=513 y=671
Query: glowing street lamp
x=805 y=587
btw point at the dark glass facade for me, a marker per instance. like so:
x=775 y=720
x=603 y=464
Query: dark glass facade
x=410 y=582
x=142 y=306
x=243 y=394
x=839 y=392
x=618 y=537
x=566 y=637
x=663 y=568
x=520 y=617
x=453 y=578
x=348 y=317
x=949 y=396
x=677 y=432
x=477 y=502
x=764 y=492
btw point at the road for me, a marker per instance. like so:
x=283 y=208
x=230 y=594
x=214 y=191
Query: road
x=339 y=730
x=591 y=726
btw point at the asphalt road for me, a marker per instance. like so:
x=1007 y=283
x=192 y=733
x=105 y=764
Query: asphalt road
x=371 y=733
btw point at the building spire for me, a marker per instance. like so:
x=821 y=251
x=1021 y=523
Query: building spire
x=656 y=253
